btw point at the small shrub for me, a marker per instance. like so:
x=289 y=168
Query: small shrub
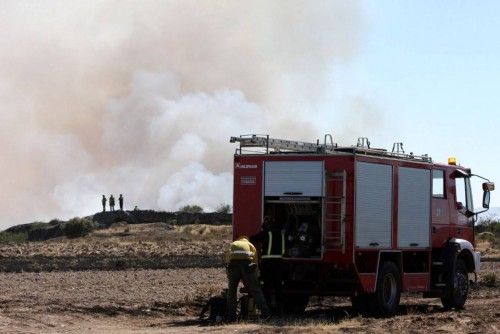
x=486 y=236
x=13 y=238
x=55 y=221
x=224 y=208
x=191 y=209
x=78 y=227
x=490 y=279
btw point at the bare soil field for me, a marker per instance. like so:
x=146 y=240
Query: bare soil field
x=168 y=301
x=38 y=297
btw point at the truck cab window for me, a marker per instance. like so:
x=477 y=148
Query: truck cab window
x=464 y=194
x=437 y=183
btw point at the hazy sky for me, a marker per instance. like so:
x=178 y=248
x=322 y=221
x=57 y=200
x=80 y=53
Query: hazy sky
x=141 y=97
x=431 y=72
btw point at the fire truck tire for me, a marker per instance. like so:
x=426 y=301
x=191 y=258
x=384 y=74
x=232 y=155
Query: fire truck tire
x=295 y=304
x=455 y=293
x=388 y=290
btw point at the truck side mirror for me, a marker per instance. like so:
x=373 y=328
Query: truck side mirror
x=486 y=199
x=487 y=187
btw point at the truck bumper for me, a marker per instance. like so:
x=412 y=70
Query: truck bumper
x=477 y=261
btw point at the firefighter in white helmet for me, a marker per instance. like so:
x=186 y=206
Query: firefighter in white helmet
x=241 y=264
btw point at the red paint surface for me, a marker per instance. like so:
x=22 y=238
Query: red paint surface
x=416 y=282
x=445 y=220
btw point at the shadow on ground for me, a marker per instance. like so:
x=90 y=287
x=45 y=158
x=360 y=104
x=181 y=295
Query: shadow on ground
x=322 y=314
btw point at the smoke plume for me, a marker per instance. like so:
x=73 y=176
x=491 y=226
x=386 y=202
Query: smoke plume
x=141 y=97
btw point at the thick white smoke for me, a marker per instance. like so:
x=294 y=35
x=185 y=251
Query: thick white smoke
x=140 y=98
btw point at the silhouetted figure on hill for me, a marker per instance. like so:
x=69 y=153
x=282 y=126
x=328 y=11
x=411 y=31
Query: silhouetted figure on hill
x=120 y=201
x=111 y=203
x=104 y=203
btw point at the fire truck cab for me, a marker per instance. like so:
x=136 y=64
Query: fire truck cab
x=359 y=221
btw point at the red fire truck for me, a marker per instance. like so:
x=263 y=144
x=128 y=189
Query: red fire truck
x=359 y=221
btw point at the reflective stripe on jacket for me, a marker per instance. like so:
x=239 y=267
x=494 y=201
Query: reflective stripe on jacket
x=241 y=249
x=274 y=252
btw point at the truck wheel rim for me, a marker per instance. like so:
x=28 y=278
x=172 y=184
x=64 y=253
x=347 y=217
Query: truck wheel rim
x=389 y=289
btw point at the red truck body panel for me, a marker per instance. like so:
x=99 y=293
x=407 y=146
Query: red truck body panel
x=358 y=263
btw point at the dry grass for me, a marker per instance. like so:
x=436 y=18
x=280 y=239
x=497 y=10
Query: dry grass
x=489 y=278
x=155 y=232
x=487 y=249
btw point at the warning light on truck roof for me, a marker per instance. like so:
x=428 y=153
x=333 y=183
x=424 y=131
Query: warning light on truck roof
x=452 y=161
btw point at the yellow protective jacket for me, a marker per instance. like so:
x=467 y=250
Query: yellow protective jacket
x=241 y=249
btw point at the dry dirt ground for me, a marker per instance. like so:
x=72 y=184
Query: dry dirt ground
x=169 y=300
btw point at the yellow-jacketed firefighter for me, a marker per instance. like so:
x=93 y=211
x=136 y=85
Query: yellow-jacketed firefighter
x=241 y=264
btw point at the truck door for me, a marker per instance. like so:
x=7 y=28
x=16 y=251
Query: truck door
x=463 y=205
x=440 y=209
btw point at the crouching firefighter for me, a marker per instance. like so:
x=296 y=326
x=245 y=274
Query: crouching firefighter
x=241 y=264
x=272 y=239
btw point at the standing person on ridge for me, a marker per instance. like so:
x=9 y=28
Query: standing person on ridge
x=103 y=203
x=241 y=264
x=120 y=201
x=111 y=203
x=272 y=240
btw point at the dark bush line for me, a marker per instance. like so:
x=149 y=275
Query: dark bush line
x=151 y=216
x=74 y=228
x=79 y=227
x=41 y=263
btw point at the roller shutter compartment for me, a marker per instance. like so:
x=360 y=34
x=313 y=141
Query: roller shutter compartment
x=294 y=178
x=373 y=205
x=414 y=199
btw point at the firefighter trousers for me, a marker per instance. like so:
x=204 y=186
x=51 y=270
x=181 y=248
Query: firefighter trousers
x=272 y=276
x=247 y=272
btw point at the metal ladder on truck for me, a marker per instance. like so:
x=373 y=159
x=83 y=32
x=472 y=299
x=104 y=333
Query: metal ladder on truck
x=279 y=145
x=334 y=211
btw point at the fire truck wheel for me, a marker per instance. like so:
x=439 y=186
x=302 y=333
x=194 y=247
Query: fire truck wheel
x=388 y=291
x=456 y=295
x=295 y=304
